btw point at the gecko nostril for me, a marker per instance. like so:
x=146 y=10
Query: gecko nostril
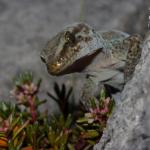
x=43 y=59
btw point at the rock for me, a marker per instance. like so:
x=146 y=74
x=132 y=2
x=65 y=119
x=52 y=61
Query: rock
x=129 y=126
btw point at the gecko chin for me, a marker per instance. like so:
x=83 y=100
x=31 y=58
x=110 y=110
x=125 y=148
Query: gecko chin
x=76 y=66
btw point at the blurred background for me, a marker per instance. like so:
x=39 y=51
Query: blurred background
x=26 y=26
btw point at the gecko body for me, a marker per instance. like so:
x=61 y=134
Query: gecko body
x=106 y=57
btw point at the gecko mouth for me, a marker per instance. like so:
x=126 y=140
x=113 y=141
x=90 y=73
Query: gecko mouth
x=58 y=68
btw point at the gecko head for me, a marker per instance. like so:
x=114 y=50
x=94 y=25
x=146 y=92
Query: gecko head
x=63 y=52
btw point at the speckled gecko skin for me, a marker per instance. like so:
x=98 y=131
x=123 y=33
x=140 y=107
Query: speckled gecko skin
x=107 y=57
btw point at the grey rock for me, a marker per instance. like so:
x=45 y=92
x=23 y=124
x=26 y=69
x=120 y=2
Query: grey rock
x=129 y=126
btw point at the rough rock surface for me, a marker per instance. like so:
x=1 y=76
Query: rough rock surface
x=129 y=126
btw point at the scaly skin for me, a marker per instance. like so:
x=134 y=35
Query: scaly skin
x=105 y=57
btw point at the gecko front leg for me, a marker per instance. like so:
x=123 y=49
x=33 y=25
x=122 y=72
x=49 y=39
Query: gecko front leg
x=111 y=80
x=91 y=90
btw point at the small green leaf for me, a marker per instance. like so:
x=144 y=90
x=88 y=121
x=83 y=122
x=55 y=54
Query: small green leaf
x=70 y=146
x=90 y=134
x=80 y=128
x=82 y=120
x=68 y=121
x=102 y=94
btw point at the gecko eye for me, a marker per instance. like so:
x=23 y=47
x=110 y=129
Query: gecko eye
x=69 y=37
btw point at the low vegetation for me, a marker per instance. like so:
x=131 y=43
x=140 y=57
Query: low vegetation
x=24 y=127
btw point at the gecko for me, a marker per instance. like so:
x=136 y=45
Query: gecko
x=104 y=57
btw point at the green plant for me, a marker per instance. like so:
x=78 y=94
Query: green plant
x=90 y=126
x=24 y=127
